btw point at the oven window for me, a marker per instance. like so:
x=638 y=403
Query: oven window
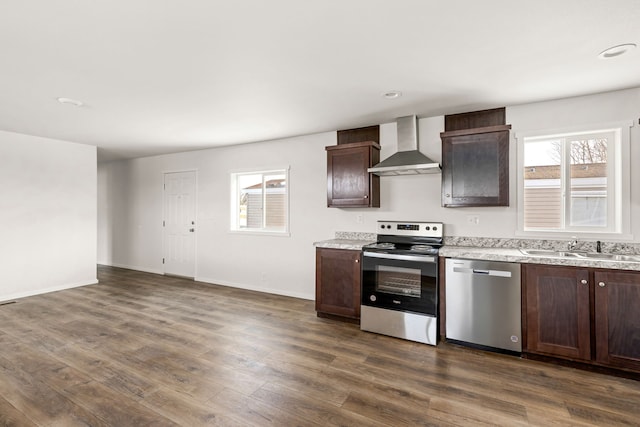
x=398 y=280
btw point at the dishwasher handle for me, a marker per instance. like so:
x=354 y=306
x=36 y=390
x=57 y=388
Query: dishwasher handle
x=497 y=273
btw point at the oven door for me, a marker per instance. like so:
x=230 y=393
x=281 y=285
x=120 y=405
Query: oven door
x=400 y=282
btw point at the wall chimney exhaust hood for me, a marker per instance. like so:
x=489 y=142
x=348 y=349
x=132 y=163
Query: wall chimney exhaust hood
x=408 y=160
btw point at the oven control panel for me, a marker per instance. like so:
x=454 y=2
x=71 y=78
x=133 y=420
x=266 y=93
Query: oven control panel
x=400 y=228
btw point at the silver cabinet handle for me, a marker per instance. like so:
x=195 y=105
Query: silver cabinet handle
x=584 y=281
x=357 y=261
x=602 y=284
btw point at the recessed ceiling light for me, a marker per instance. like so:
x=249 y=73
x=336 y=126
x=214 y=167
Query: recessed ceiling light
x=70 y=101
x=393 y=94
x=614 y=51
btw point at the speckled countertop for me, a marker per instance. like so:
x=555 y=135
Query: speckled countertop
x=347 y=240
x=514 y=255
x=506 y=250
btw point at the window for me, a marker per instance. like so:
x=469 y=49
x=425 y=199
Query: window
x=573 y=182
x=260 y=201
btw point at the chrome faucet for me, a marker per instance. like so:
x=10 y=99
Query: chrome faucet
x=572 y=244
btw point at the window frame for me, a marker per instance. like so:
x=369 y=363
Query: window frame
x=618 y=182
x=235 y=194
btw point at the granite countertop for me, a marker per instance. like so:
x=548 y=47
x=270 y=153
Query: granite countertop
x=514 y=255
x=347 y=240
x=500 y=249
x=355 y=245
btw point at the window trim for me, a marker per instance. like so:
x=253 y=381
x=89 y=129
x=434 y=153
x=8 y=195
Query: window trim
x=621 y=230
x=235 y=194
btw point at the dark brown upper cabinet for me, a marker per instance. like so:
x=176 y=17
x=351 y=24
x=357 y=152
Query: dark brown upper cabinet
x=349 y=184
x=369 y=133
x=475 y=161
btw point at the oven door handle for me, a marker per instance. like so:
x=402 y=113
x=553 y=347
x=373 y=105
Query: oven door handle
x=417 y=258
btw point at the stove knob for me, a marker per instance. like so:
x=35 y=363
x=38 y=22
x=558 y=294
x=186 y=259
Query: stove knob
x=435 y=228
x=428 y=228
x=382 y=226
x=388 y=226
x=373 y=298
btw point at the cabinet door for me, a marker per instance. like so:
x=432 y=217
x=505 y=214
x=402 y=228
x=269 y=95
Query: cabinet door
x=617 y=318
x=338 y=282
x=349 y=184
x=557 y=311
x=475 y=169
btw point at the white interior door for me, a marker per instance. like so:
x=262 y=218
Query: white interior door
x=180 y=223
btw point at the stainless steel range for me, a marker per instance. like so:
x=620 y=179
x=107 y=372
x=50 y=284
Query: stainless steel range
x=400 y=281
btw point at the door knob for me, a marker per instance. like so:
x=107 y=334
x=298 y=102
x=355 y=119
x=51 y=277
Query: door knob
x=583 y=281
x=602 y=284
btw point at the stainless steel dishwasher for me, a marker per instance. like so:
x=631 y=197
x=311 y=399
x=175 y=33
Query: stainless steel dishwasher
x=483 y=304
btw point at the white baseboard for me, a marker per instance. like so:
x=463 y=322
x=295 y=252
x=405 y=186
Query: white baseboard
x=301 y=295
x=133 y=267
x=19 y=295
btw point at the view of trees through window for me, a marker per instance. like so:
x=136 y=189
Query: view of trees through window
x=565 y=181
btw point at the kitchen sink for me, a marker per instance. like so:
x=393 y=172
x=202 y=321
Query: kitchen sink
x=580 y=254
x=550 y=253
x=613 y=257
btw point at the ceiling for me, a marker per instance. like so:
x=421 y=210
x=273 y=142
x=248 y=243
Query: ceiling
x=162 y=76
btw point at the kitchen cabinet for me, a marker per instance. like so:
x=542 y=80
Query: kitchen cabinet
x=338 y=279
x=582 y=314
x=475 y=167
x=369 y=133
x=475 y=159
x=557 y=311
x=617 y=318
x=349 y=184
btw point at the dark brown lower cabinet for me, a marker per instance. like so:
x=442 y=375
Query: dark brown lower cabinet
x=557 y=311
x=338 y=282
x=617 y=318
x=582 y=314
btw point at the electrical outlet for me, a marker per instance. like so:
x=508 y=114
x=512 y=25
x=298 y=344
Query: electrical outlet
x=473 y=219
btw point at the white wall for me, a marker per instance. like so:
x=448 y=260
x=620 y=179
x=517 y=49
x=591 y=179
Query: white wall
x=130 y=209
x=47 y=215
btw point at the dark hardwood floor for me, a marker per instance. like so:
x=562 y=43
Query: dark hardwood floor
x=141 y=349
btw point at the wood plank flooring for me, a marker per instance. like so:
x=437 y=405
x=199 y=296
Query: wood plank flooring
x=141 y=349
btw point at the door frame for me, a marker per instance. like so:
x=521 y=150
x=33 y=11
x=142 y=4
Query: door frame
x=195 y=237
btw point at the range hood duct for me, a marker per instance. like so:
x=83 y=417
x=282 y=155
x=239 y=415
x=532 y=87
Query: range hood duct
x=408 y=160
